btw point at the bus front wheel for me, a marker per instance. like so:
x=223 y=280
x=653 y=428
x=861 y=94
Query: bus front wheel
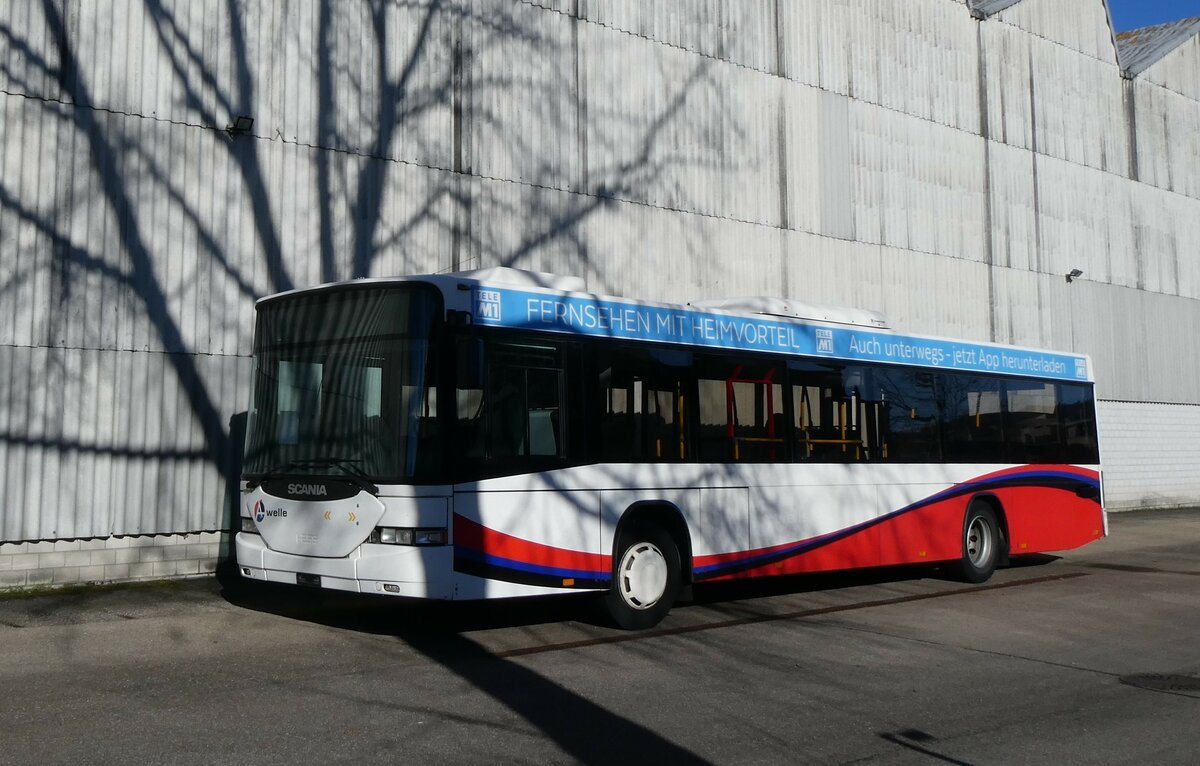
x=980 y=543
x=646 y=577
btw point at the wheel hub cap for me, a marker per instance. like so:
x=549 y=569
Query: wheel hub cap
x=643 y=575
x=979 y=542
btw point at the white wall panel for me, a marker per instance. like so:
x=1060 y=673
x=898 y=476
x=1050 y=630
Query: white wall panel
x=1081 y=26
x=1018 y=307
x=937 y=294
x=915 y=57
x=1172 y=324
x=835 y=272
x=1009 y=77
x=1117 y=318
x=705 y=257
x=1168 y=136
x=836 y=48
x=528 y=227
x=688 y=133
x=27 y=278
x=631 y=241
x=1046 y=97
x=917 y=185
x=1013 y=207
x=522 y=96
x=1167 y=227
x=1120 y=230
x=1141 y=341
x=742 y=32
x=373 y=79
x=1074 y=228
x=818 y=169
x=1079 y=108
x=800 y=42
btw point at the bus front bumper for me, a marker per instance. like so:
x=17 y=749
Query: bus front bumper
x=394 y=570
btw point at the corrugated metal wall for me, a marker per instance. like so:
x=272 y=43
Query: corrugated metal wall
x=833 y=150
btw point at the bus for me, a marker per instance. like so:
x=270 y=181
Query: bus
x=500 y=433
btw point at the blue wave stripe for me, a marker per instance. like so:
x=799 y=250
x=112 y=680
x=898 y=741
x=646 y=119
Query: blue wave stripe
x=537 y=569
x=1020 y=478
x=801 y=547
x=1024 y=477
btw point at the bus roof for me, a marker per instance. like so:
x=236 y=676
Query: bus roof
x=537 y=301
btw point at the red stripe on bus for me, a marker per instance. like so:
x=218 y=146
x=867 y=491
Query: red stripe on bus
x=475 y=536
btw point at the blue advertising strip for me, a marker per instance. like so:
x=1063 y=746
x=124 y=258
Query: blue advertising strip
x=503 y=307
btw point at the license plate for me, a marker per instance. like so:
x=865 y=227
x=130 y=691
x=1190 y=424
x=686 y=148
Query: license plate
x=311 y=580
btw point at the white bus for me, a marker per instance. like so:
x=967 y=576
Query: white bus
x=504 y=433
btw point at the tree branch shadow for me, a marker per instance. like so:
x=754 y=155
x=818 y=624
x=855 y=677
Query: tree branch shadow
x=408 y=85
x=141 y=278
x=587 y=731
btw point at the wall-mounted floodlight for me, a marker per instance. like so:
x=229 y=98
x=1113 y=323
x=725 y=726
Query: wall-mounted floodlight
x=241 y=125
x=1073 y=274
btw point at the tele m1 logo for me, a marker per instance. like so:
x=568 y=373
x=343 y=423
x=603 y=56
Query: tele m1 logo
x=487 y=306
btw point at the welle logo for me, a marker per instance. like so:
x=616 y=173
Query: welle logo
x=261 y=512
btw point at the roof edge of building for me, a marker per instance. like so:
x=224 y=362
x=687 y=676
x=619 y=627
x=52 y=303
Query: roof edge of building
x=985 y=9
x=1139 y=49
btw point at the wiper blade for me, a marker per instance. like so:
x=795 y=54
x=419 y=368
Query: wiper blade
x=348 y=466
x=274 y=471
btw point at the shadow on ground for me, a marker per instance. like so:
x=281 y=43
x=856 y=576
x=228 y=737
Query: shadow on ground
x=410 y=618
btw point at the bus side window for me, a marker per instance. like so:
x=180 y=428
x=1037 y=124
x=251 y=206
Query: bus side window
x=911 y=419
x=470 y=366
x=741 y=411
x=832 y=422
x=1031 y=422
x=508 y=401
x=542 y=407
x=972 y=419
x=642 y=405
x=1076 y=410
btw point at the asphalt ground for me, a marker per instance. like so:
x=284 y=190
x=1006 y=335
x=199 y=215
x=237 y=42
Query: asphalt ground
x=1088 y=657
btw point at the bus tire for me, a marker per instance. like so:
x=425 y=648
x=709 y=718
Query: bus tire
x=646 y=577
x=981 y=541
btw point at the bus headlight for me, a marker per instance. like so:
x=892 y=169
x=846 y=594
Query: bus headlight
x=409 y=536
x=248 y=525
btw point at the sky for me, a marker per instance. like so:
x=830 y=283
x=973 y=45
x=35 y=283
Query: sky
x=1131 y=14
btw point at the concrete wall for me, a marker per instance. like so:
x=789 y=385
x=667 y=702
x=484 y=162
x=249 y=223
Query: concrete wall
x=900 y=155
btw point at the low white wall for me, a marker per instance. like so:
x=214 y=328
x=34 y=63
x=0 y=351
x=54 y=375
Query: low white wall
x=1151 y=454
x=110 y=559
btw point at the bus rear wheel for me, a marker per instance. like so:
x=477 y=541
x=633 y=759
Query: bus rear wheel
x=980 y=543
x=646 y=577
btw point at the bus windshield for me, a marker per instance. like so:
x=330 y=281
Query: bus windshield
x=344 y=384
